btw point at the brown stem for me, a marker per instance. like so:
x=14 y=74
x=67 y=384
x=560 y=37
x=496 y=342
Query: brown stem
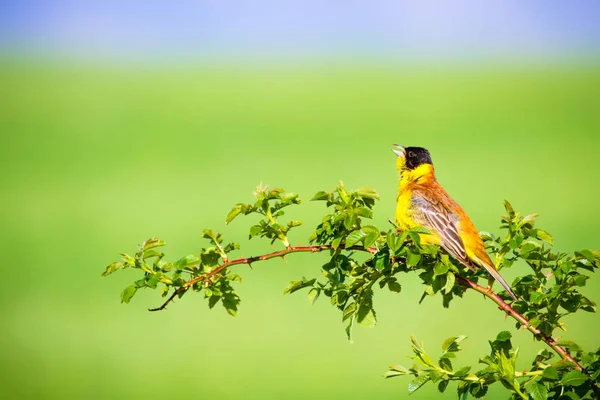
x=249 y=261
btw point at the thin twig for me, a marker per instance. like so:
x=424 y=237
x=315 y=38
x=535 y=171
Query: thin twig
x=249 y=261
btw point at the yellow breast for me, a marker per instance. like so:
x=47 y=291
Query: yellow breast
x=404 y=214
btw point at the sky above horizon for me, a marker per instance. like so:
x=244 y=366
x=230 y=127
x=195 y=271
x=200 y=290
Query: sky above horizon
x=207 y=30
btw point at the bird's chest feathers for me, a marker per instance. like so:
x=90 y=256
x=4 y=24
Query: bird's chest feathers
x=408 y=181
x=403 y=211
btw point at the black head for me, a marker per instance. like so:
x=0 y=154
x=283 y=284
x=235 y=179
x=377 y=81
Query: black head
x=416 y=156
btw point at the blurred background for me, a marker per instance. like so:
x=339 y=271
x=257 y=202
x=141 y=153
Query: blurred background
x=126 y=120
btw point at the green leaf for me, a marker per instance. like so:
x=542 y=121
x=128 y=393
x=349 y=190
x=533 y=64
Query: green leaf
x=364 y=212
x=451 y=344
x=394 y=286
x=445 y=363
x=573 y=378
x=349 y=330
x=128 y=293
x=413 y=259
x=213 y=300
x=370 y=239
x=550 y=372
x=392 y=241
x=486 y=236
x=579 y=279
x=420 y=229
x=392 y=374
x=320 y=196
x=188 y=260
x=509 y=208
x=297 y=285
x=151 y=243
x=503 y=336
x=344 y=195
x=152 y=253
x=313 y=295
x=478 y=391
x=230 y=302
x=112 y=268
x=128 y=260
x=255 y=230
x=440 y=268
x=544 y=236
x=587 y=254
x=153 y=281
x=349 y=221
x=349 y=311
x=450 y=280
x=464 y=371
x=537 y=390
x=569 y=344
x=366 y=316
x=443 y=385
x=416 y=383
x=371 y=235
x=274 y=193
x=290 y=198
x=235 y=211
x=231 y=247
x=536 y=297
x=294 y=223
x=528 y=247
x=368 y=193
x=381 y=260
x=214 y=237
x=335 y=243
x=354 y=237
x=396 y=370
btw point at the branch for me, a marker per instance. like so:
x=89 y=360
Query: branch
x=502 y=305
x=249 y=261
x=550 y=341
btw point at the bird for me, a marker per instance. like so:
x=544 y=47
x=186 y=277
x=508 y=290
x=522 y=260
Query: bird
x=423 y=202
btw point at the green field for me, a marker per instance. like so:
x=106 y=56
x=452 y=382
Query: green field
x=96 y=160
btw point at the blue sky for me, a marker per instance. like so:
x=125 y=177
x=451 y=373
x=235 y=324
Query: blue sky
x=302 y=29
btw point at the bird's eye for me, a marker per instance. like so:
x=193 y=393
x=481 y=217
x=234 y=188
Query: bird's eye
x=411 y=154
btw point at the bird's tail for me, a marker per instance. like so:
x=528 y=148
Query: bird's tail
x=496 y=275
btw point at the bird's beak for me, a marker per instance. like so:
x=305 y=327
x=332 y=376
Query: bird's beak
x=399 y=150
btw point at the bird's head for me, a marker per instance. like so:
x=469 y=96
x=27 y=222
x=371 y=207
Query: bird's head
x=409 y=158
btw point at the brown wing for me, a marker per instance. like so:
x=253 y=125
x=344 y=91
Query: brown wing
x=433 y=215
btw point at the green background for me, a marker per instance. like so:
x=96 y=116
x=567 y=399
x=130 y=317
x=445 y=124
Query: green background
x=96 y=160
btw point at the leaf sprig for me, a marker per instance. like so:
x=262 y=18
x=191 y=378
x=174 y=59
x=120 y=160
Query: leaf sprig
x=545 y=380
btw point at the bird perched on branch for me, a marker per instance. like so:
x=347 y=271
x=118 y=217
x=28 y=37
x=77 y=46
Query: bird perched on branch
x=422 y=201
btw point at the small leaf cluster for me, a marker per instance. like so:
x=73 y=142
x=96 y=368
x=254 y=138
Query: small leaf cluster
x=207 y=271
x=176 y=276
x=149 y=260
x=426 y=369
x=545 y=380
x=269 y=205
x=344 y=224
x=551 y=289
x=350 y=280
